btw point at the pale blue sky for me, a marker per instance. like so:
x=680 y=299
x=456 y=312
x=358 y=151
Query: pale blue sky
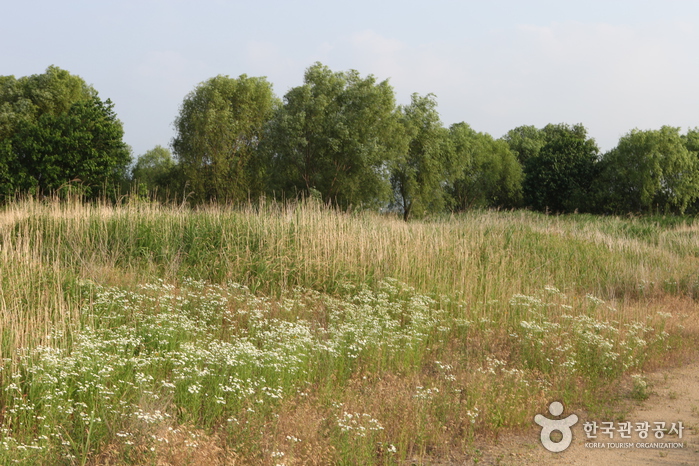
x=611 y=65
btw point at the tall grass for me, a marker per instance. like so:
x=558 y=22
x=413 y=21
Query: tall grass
x=481 y=255
x=296 y=334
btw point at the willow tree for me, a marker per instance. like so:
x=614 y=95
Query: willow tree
x=336 y=136
x=422 y=170
x=650 y=170
x=488 y=172
x=155 y=172
x=525 y=142
x=219 y=129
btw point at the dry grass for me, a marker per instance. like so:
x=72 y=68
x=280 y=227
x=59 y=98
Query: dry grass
x=466 y=295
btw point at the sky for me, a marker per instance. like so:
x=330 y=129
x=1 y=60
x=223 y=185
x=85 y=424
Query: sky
x=612 y=65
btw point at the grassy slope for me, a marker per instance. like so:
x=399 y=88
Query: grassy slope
x=303 y=335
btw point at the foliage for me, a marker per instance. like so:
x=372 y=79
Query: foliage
x=337 y=134
x=83 y=145
x=559 y=178
x=650 y=170
x=26 y=98
x=338 y=138
x=580 y=344
x=55 y=130
x=156 y=171
x=489 y=174
x=691 y=140
x=153 y=166
x=525 y=142
x=419 y=175
x=219 y=128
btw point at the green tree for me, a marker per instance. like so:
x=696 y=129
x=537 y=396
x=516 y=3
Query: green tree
x=219 y=129
x=489 y=173
x=55 y=91
x=691 y=140
x=337 y=134
x=559 y=178
x=25 y=99
x=14 y=106
x=155 y=171
x=420 y=174
x=525 y=142
x=82 y=145
x=54 y=131
x=650 y=170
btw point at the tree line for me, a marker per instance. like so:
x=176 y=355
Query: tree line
x=339 y=137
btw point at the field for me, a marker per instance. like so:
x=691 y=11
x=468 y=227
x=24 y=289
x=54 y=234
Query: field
x=296 y=334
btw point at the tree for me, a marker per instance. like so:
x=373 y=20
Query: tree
x=83 y=145
x=650 y=170
x=14 y=106
x=691 y=140
x=155 y=170
x=525 y=142
x=559 y=178
x=27 y=98
x=489 y=173
x=420 y=174
x=337 y=135
x=55 y=130
x=219 y=129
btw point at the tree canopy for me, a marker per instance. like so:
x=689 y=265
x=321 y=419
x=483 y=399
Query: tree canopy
x=337 y=135
x=420 y=172
x=157 y=171
x=55 y=130
x=559 y=177
x=29 y=97
x=489 y=174
x=219 y=128
x=525 y=142
x=651 y=170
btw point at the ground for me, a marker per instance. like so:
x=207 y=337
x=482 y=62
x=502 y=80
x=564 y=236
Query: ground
x=674 y=398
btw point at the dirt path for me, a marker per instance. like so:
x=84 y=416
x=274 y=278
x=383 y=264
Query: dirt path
x=674 y=398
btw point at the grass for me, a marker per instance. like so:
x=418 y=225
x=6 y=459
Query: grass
x=295 y=334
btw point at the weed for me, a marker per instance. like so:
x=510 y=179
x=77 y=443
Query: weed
x=297 y=334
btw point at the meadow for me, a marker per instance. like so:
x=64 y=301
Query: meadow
x=296 y=334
